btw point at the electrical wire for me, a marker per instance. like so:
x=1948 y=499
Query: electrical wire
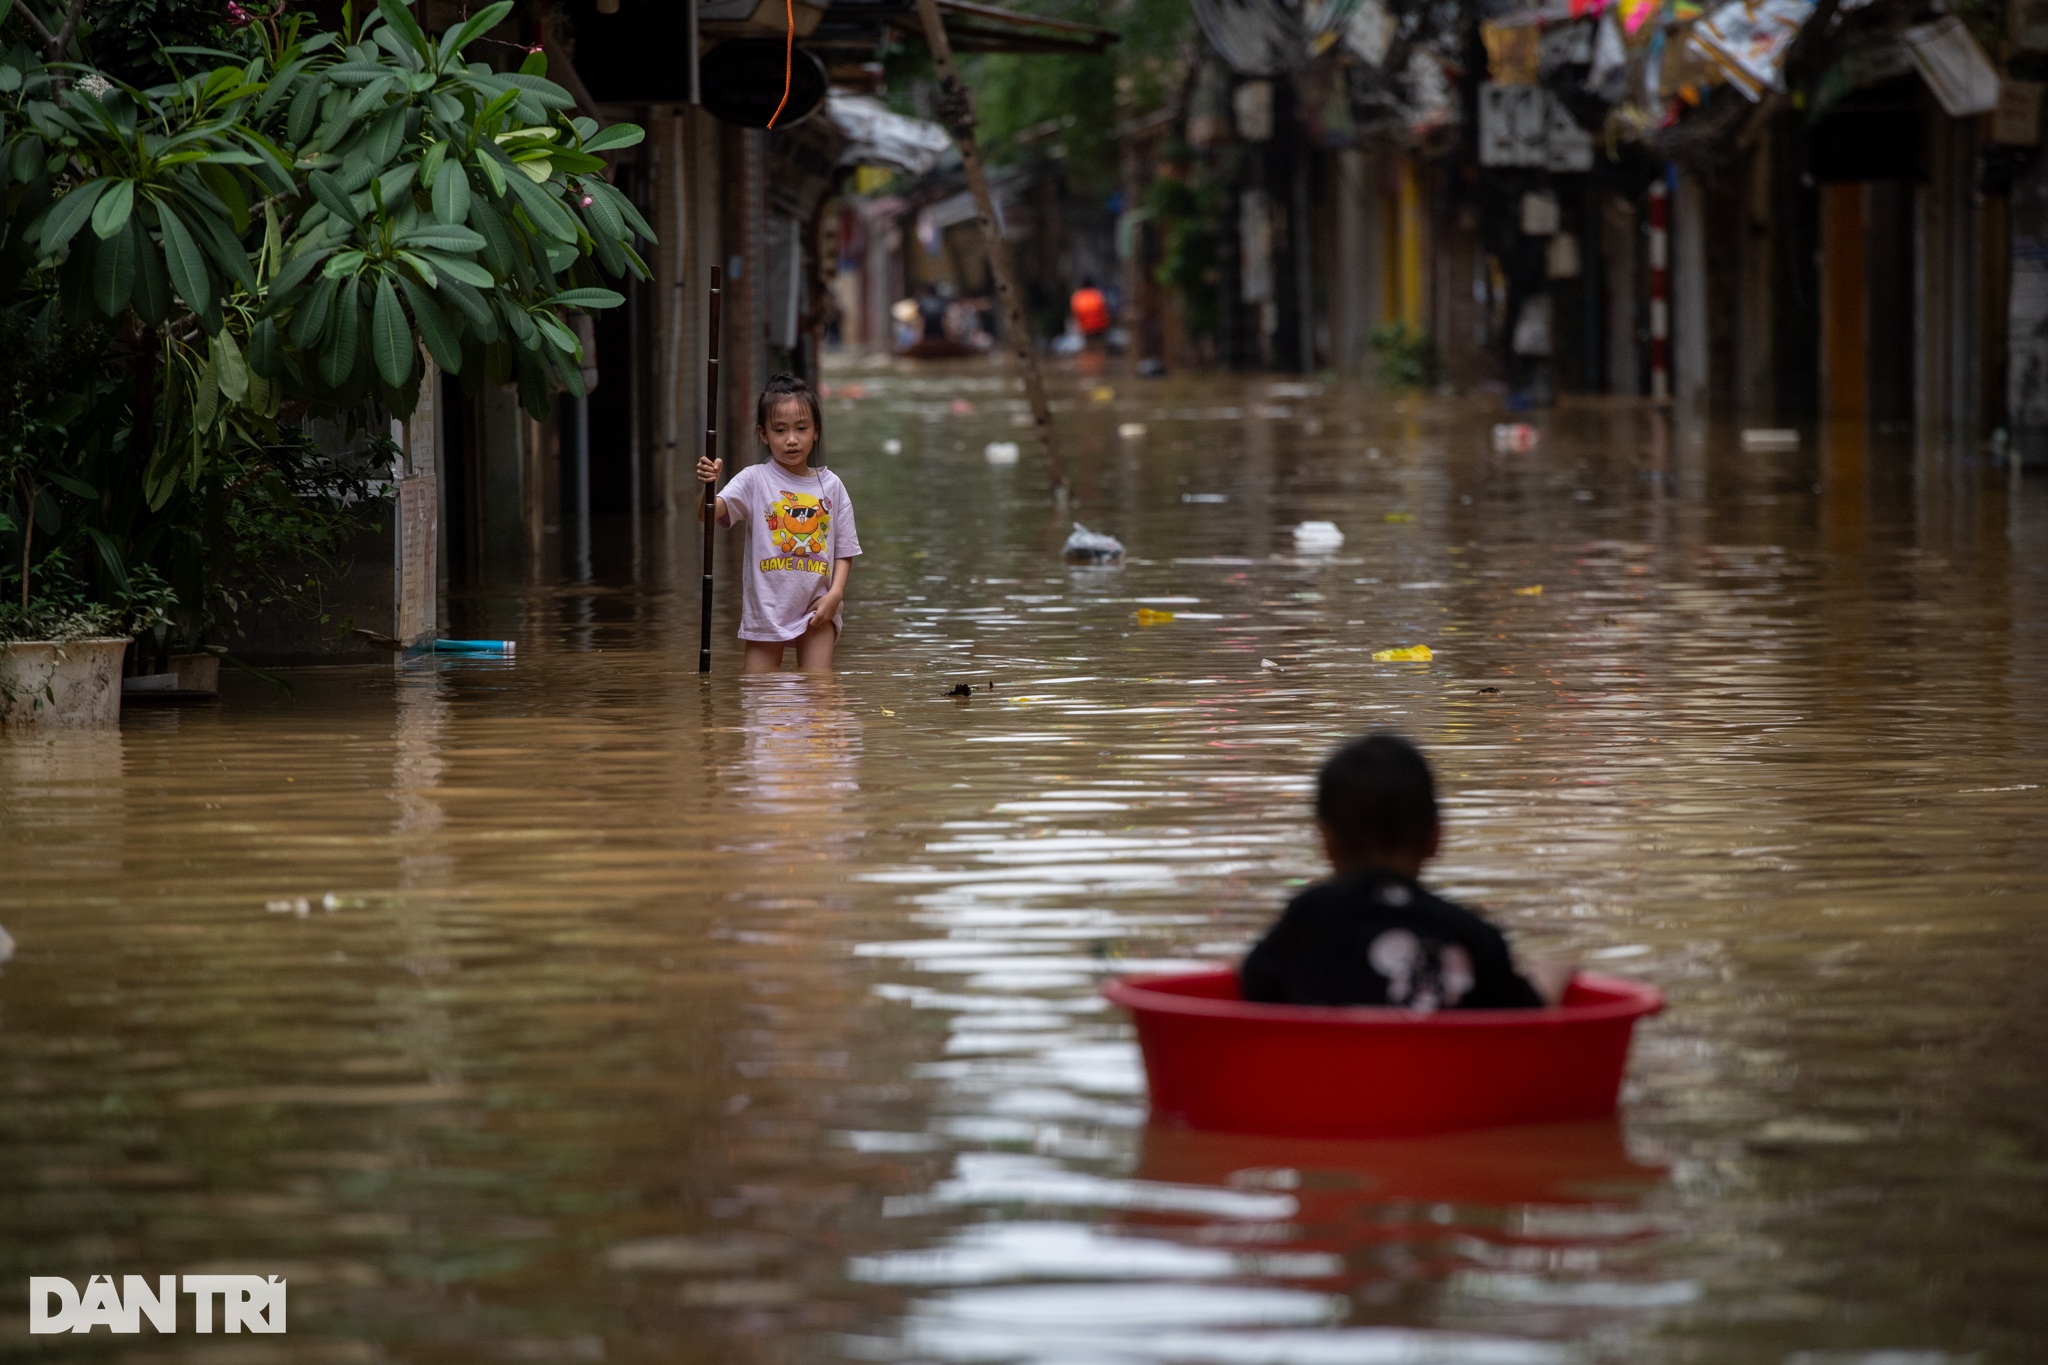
x=788 y=60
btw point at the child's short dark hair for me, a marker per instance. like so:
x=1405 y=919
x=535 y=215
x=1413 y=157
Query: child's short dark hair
x=1375 y=795
x=781 y=389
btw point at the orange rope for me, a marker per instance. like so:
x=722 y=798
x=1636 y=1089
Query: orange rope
x=788 y=60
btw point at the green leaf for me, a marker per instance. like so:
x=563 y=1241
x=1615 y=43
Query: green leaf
x=587 y=298
x=616 y=197
x=69 y=214
x=305 y=108
x=442 y=236
x=401 y=20
x=485 y=19
x=309 y=319
x=230 y=371
x=564 y=339
x=471 y=304
x=152 y=293
x=443 y=342
x=451 y=197
x=265 y=355
x=545 y=210
x=110 y=555
x=493 y=173
x=423 y=267
x=330 y=194
x=205 y=395
x=296 y=270
x=344 y=264
x=615 y=137
x=455 y=268
x=390 y=337
x=339 y=358
x=113 y=273
x=76 y=487
x=386 y=135
x=187 y=263
x=430 y=164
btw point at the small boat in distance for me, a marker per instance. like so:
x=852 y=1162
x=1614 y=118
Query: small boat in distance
x=1216 y=1062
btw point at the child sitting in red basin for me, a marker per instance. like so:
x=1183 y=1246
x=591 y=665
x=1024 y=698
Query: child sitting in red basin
x=1371 y=935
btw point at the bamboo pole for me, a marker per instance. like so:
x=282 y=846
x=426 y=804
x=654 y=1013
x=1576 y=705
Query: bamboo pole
x=956 y=109
x=710 y=453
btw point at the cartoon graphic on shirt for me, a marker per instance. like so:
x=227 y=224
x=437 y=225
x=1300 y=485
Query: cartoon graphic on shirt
x=1421 y=974
x=799 y=523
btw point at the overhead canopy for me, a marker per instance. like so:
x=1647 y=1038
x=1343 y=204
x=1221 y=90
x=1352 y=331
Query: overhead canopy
x=633 y=54
x=985 y=28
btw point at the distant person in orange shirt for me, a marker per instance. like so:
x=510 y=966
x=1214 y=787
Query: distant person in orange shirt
x=1090 y=310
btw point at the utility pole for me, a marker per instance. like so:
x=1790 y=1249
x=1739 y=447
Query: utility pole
x=956 y=109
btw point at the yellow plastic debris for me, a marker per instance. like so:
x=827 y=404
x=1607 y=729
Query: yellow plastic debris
x=1149 y=617
x=887 y=712
x=1407 y=654
x=1400 y=516
x=1533 y=590
x=1102 y=393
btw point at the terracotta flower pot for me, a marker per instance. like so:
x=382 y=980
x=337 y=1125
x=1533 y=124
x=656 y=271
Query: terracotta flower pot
x=75 y=685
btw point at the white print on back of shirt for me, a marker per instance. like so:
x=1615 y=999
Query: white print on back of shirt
x=1421 y=975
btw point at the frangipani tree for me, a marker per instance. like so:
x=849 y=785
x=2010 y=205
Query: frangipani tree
x=277 y=232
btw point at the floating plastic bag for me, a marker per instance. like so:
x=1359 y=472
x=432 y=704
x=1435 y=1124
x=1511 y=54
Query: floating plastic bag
x=1317 y=535
x=1091 y=547
x=1407 y=654
x=1533 y=590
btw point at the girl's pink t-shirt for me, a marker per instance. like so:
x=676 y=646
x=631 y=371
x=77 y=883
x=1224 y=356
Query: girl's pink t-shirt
x=797 y=526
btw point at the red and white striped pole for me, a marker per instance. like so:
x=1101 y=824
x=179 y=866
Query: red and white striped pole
x=1660 y=293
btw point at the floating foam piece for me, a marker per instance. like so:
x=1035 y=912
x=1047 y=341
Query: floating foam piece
x=1131 y=431
x=1770 y=438
x=892 y=446
x=1091 y=547
x=1317 y=535
x=1001 y=452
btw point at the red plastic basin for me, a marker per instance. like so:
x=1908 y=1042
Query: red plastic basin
x=1217 y=1063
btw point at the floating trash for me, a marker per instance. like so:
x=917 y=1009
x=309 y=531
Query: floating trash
x=1770 y=438
x=960 y=407
x=1515 y=436
x=1147 y=616
x=1533 y=590
x=1406 y=654
x=1399 y=518
x=1001 y=452
x=1131 y=431
x=1317 y=535
x=1091 y=547
x=496 y=647
x=892 y=446
x=1203 y=497
x=1102 y=393
x=1268 y=663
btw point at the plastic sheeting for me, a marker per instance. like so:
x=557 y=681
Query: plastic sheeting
x=878 y=136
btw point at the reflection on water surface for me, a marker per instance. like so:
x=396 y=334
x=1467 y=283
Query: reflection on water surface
x=573 y=1010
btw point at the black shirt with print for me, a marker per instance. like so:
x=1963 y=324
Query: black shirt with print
x=1378 y=938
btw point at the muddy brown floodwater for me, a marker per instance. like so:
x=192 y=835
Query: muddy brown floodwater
x=574 y=1009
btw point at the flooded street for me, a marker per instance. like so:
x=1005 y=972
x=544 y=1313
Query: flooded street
x=574 y=1008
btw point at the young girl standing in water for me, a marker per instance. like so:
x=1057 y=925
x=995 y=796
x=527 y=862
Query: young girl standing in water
x=800 y=540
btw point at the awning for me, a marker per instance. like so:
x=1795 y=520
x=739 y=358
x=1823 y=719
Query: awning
x=878 y=136
x=985 y=28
